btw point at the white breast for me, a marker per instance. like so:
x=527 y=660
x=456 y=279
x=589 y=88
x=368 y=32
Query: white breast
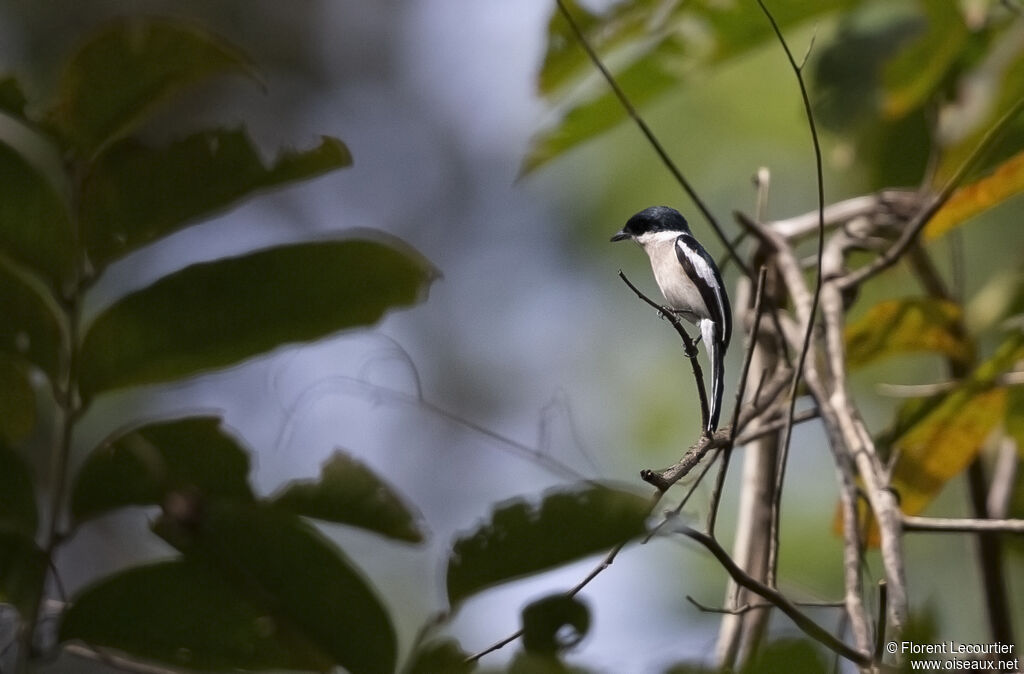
x=680 y=293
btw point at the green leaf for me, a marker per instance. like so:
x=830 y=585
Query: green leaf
x=350 y=493
x=439 y=657
x=661 y=51
x=521 y=539
x=147 y=466
x=912 y=324
x=29 y=327
x=17 y=401
x=642 y=82
x=137 y=193
x=545 y=622
x=22 y=571
x=17 y=494
x=912 y=77
x=184 y=614
x=12 y=97
x=216 y=314
x=127 y=69
x=274 y=558
x=34 y=225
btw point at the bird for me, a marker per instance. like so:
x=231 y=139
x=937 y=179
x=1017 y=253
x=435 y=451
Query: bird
x=691 y=283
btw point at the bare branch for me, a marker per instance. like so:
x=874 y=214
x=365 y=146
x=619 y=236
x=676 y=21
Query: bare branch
x=961 y=525
x=777 y=599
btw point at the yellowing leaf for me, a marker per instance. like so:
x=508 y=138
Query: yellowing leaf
x=908 y=325
x=934 y=439
x=943 y=444
x=1006 y=181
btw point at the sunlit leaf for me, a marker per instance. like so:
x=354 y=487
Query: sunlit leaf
x=22 y=571
x=661 y=46
x=439 y=657
x=912 y=324
x=137 y=193
x=184 y=614
x=34 y=225
x=943 y=443
x=194 y=456
x=301 y=581
x=122 y=73
x=216 y=314
x=350 y=493
x=17 y=400
x=1005 y=182
x=17 y=494
x=554 y=624
x=521 y=538
x=913 y=75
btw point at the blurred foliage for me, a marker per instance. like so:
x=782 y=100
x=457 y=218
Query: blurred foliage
x=255 y=586
x=909 y=89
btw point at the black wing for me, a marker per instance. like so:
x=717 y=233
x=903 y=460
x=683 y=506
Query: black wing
x=701 y=268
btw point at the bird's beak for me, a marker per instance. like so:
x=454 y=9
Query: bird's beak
x=621 y=235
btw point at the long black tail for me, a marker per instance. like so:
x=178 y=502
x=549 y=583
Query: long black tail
x=716 y=354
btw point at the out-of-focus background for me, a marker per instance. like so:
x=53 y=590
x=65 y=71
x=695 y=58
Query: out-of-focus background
x=530 y=342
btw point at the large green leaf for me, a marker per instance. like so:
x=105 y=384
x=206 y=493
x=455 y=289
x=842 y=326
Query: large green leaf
x=184 y=614
x=521 y=539
x=22 y=571
x=661 y=46
x=907 y=325
x=216 y=314
x=17 y=494
x=350 y=493
x=137 y=193
x=29 y=327
x=192 y=456
x=17 y=400
x=34 y=225
x=129 y=67
x=304 y=584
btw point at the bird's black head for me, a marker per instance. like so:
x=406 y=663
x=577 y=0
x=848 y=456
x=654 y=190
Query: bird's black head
x=650 y=220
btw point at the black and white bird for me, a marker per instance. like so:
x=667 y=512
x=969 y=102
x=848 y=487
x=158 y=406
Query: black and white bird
x=691 y=283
